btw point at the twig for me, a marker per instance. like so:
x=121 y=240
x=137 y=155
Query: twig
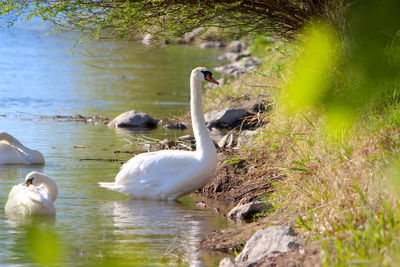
x=267 y=86
x=108 y=160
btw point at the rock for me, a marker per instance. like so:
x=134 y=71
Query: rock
x=177 y=126
x=236 y=46
x=226 y=262
x=248 y=210
x=246 y=136
x=241 y=67
x=232 y=57
x=260 y=107
x=229 y=140
x=268 y=242
x=212 y=44
x=190 y=36
x=147 y=39
x=188 y=138
x=133 y=118
x=201 y=204
x=225 y=118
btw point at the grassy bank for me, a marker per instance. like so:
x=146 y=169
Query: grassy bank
x=339 y=189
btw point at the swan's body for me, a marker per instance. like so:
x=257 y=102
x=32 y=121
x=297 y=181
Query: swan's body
x=35 y=196
x=13 y=152
x=169 y=174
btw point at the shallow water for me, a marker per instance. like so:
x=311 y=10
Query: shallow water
x=94 y=226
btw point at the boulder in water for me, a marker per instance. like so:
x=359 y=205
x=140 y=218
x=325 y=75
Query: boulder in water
x=133 y=118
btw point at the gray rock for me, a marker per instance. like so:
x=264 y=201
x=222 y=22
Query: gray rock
x=236 y=46
x=176 y=126
x=133 y=118
x=229 y=140
x=212 y=44
x=190 y=36
x=232 y=57
x=186 y=138
x=241 y=67
x=267 y=243
x=248 y=210
x=226 y=262
x=225 y=118
x=246 y=136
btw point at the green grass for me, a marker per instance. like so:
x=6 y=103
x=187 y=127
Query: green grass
x=341 y=191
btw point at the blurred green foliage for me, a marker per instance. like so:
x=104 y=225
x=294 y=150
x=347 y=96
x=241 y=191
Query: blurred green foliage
x=43 y=245
x=351 y=76
x=133 y=18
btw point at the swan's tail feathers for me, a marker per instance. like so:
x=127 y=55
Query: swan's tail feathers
x=111 y=186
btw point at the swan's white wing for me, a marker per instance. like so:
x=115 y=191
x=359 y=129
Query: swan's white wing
x=152 y=169
x=29 y=200
x=40 y=195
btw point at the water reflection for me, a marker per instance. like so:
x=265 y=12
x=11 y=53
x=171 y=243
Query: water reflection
x=170 y=226
x=42 y=221
x=96 y=226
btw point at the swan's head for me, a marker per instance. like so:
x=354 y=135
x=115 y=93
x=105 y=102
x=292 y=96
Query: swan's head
x=38 y=178
x=202 y=74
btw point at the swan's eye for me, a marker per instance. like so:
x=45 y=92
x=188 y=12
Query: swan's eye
x=29 y=181
x=206 y=74
x=208 y=77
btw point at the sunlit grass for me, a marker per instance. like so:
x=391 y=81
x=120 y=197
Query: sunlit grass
x=339 y=153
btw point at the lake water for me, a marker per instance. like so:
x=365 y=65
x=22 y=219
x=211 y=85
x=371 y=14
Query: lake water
x=94 y=226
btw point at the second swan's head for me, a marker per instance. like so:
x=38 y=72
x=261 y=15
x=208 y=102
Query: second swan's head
x=36 y=179
x=202 y=74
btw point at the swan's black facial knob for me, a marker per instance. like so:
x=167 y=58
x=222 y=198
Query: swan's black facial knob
x=29 y=181
x=208 y=77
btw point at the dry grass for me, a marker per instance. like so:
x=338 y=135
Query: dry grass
x=336 y=191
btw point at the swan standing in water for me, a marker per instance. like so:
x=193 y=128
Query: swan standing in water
x=35 y=196
x=169 y=174
x=13 y=152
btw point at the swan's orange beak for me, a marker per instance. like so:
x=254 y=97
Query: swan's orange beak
x=211 y=79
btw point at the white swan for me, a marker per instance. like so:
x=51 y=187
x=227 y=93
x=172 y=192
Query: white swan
x=13 y=152
x=169 y=174
x=35 y=196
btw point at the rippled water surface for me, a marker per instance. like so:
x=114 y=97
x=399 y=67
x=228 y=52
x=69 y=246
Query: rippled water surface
x=94 y=226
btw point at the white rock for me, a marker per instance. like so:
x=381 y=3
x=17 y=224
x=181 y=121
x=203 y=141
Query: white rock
x=147 y=39
x=226 y=262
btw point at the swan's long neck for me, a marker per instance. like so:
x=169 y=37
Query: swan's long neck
x=32 y=156
x=204 y=144
x=12 y=141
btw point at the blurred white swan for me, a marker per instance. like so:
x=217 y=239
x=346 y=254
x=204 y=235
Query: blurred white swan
x=169 y=174
x=35 y=196
x=13 y=152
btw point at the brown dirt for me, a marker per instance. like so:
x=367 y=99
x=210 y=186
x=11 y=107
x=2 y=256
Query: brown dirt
x=239 y=181
x=231 y=239
x=306 y=256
